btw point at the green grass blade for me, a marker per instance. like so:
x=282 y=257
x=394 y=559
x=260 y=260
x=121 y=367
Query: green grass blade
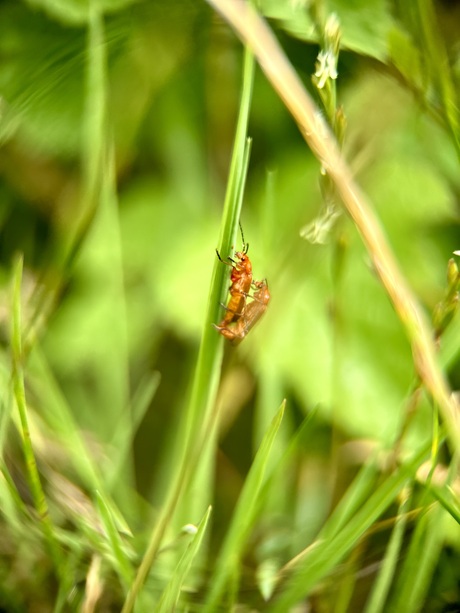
x=381 y=587
x=238 y=166
x=328 y=551
x=106 y=239
x=6 y=400
x=92 y=156
x=13 y=508
x=172 y=591
x=207 y=372
x=36 y=488
x=200 y=419
x=357 y=493
x=251 y=28
x=415 y=577
x=59 y=417
x=243 y=517
x=143 y=396
x=94 y=131
x=438 y=65
x=424 y=550
x=122 y=562
x=446 y=496
x=347 y=582
x=125 y=432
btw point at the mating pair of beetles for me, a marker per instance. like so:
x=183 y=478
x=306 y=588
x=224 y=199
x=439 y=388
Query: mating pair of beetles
x=241 y=314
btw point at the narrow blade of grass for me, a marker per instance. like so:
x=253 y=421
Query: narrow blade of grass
x=12 y=507
x=447 y=498
x=243 y=517
x=415 y=577
x=254 y=31
x=136 y=410
x=381 y=587
x=355 y=496
x=328 y=551
x=205 y=383
x=122 y=563
x=172 y=591
x=35 y=484
x=94 y=130
x=346 y=584
x=424 y=550
x=437 y=61
x=60 y=418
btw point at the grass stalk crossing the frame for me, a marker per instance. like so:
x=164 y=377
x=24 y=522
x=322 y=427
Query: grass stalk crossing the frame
x=199 y=416
x=254 y=31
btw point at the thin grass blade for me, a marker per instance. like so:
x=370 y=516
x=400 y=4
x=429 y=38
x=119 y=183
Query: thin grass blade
x=415 y=577
x=380 y=589
x=327 y=552
x=122 y=563
x=243 y=517
x=199 y=418
x=38 y=494
x=172 y=591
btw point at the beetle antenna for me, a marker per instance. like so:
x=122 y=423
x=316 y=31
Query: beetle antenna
x=245 y=245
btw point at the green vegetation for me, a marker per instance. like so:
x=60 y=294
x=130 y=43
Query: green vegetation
x=147 y=464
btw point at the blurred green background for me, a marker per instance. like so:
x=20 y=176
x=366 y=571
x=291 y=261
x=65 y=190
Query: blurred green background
x=116 y=281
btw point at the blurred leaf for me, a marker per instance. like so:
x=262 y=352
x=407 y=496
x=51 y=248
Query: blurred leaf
x=42 y=75
x=41 y=80
x=405 y=56
x=365 y=24
x=78 y=11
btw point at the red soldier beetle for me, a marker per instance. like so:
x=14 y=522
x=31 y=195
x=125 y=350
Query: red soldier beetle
x=251 y=314
x=241 y=281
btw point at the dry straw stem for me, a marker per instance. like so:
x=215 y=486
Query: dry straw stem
x=254 y=31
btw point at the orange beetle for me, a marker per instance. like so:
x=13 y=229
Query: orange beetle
x=250 y=315
x=241 y=281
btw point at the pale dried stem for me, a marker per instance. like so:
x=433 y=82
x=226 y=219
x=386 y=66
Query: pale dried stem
x=254 y=31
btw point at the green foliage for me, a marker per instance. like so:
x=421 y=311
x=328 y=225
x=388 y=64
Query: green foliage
x=144 y=461
x=365 y=25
